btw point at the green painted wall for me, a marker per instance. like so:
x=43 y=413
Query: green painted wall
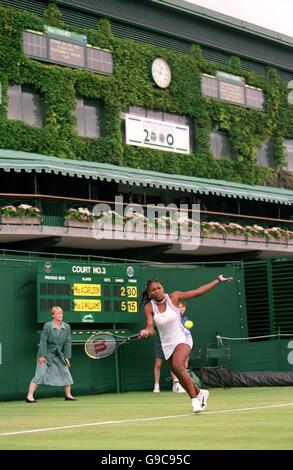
x=215 y=311
x=273 y=355
x=222 y=310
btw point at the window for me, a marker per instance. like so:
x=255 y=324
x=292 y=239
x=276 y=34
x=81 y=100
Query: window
x=264 y=155
x=220 y=144
x=26 y=105
x=137 y=111
x=89 y=117
x=159 y=115
x=289 y=153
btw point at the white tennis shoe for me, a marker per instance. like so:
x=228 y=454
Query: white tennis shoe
x=203 y=397
x=156 y=388
x=195 y=405
x=177 y=388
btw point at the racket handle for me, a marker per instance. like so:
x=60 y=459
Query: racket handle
x=134 y=336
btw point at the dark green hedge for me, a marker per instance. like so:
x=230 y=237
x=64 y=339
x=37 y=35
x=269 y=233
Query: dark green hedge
x=131 y=85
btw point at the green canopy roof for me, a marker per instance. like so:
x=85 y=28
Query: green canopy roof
x=11 y=160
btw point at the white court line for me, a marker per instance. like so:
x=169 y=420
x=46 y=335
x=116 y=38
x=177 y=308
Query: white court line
x=142 y=420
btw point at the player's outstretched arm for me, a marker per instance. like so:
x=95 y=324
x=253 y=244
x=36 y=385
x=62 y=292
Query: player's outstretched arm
x=190 y=294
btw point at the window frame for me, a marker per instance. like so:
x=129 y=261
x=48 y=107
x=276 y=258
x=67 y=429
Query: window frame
x=100 y=116
x=25 y=91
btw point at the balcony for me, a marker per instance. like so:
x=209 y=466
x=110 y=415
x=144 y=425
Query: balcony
x=62 y=226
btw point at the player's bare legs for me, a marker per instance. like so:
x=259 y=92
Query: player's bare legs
x=177 y=364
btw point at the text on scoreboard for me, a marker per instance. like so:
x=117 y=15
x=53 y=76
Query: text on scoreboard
x=88 y=293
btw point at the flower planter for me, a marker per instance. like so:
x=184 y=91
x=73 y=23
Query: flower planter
x=282 y=241
x=20 y=220
x=251 y=239
x=93 y=224
x=218 y=235
x=230 y=237
x=79 y=224
x=248 y=239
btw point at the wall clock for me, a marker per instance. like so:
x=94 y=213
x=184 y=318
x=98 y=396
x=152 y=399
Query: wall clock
x=161 y=73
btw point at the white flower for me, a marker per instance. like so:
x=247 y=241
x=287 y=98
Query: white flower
x=84 y=210
x=236 y=226
x=25 y=206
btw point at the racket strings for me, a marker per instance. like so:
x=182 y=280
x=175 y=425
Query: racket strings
x=103 y=345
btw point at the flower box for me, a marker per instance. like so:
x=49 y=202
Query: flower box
x=92 y=225
x=217 y=235
x=22 y=211
x=244 y=238
x=20 y=220
x=74 y=223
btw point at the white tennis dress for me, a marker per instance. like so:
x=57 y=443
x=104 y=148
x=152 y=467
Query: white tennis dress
x=170 y=328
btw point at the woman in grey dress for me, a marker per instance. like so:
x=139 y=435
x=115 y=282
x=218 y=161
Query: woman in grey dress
x=53 y=357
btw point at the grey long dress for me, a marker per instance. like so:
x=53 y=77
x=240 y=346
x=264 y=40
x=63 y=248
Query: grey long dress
x=55 y=346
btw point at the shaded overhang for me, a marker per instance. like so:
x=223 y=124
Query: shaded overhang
x=11 y=160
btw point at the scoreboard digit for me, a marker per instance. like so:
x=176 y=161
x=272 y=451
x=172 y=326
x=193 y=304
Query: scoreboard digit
x=88 y=293
x=131 y=291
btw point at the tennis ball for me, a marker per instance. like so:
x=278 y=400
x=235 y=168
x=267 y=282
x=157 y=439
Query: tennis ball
x=188 y=324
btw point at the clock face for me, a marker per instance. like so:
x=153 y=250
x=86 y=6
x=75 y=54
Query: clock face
x=161 y=73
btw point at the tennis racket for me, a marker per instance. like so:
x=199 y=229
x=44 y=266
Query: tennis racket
x=103 y=344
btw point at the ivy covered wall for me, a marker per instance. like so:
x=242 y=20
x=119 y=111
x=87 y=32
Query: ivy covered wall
x=131 y=85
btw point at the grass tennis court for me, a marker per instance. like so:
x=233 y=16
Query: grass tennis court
x=237 y=418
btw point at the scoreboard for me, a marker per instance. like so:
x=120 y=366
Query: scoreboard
x=88 y=292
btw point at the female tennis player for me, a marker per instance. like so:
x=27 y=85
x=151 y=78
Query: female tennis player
x=161 y=311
